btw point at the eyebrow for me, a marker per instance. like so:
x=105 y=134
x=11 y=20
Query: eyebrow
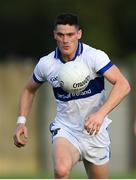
x=70 y=33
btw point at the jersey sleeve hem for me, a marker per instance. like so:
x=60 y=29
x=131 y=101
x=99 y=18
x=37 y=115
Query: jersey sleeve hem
x=105 y=68
x=37 y=80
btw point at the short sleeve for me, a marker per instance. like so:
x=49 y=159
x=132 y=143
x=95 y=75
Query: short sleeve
x=101 y=62
x=38 y=73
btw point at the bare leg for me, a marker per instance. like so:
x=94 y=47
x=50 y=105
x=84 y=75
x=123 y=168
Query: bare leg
x=96 y=171
x=65 y=155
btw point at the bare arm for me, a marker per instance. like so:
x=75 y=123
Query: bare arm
x=25 y=104
x=27 y=97
x=119 y=90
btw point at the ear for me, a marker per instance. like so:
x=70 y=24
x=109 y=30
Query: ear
x=79 y=34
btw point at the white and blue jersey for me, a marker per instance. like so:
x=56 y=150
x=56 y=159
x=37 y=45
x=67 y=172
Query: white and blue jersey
x=72 y=109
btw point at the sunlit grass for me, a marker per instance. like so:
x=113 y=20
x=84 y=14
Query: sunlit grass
x=78 y=175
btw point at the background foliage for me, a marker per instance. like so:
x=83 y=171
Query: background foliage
x=26 y=26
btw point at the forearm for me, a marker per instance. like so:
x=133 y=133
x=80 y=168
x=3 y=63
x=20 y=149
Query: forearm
x=119 y=91
x=25 y=103
x=24 y=108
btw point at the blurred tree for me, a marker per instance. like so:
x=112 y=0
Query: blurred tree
x=27 y=25
x=24 y=28
x=124 y=19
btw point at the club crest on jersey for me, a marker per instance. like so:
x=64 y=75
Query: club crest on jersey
x=52 y=79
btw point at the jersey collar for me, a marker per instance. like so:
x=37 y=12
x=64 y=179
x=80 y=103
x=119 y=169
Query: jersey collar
x=79 y=51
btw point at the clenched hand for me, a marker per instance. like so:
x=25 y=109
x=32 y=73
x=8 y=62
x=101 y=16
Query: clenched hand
x=20 y=135
x=93 y=123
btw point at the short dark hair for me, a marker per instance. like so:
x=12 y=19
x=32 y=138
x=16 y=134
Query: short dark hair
x=67 y=18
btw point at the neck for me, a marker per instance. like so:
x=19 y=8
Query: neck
x=71 y=56
x=68 y=58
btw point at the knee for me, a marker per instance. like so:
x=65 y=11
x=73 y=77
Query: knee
x=61 y=171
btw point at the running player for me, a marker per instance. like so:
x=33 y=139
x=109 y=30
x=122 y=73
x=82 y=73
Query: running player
x=79 y=130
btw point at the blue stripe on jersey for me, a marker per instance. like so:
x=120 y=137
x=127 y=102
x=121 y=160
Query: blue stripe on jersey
x=95 y=86
x=36 y=80
x=105 y=68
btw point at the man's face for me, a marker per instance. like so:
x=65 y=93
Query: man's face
x=67 y=39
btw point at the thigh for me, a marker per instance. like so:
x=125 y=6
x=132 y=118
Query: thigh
x=96 y=171
x=96 y=162
x=64 y=152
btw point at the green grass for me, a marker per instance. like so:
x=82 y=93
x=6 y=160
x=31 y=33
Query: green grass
x=44 y=175
x=125 y=175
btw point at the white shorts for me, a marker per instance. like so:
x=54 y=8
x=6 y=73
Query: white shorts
x=94 y=149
